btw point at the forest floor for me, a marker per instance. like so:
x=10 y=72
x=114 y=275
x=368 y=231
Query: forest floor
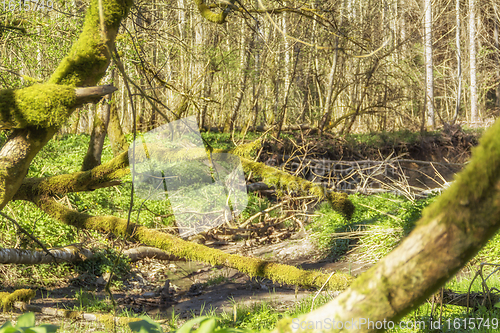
x=195 y=288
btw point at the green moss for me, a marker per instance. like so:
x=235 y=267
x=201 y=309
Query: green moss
x=247 y=150
x=110 y=321
x=88 y=58
x=208 y=14
x=44 y=105
x=74 y=182
x=72 y=314
x=115 y=132
x=7 y=300
x=284 y=181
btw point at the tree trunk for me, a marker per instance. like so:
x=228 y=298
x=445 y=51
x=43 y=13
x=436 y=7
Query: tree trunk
x=459 y=61
x=429 y=75
x=331 y=79
x=284 y=107
x=67 y=254
x=207 y=91
x=474 y=115
x=496 y=36
x=244 y=68
x=101 y=120
x=115 y=132
x=74 y=253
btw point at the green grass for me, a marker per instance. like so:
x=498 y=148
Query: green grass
x=88 y=302
x=377 y=226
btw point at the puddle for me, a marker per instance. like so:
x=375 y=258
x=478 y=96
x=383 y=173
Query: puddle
x=182 y=274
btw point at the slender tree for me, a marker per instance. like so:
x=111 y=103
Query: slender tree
x=474 y=115
x=429 y=76
x=459 y=60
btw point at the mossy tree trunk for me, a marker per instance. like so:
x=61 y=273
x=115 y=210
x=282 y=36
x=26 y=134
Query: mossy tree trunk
x=184 y=249
x=115 y=131
x=450 y=232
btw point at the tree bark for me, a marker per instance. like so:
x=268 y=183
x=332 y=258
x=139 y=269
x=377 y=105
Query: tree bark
x=459 y=61
x=331 y=80
x=74 y=253
x=244 y=67
x=115 y=132
x=27 y=257
x=429 y=75
x=101 y=121
x=474 y=114
x=496 y=37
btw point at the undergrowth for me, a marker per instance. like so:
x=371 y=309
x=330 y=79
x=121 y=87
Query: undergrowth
x=377 y=226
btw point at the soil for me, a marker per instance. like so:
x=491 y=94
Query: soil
x=160 y=287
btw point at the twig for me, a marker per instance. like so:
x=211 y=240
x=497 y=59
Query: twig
x=317 y=294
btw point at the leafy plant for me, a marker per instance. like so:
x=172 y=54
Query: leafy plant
x=106 y=261
x=206 y=325
x=146 y=325
x=26 y=324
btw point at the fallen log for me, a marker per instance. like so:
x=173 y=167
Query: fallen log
x=173 y=245
x=74 y=253
x=69 y=253
x=147 y=252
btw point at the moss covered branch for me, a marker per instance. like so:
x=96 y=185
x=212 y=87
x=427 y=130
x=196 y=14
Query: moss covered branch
x=284 y=180
x=85 y=64
x=44 y=105
x=89 y=57
x=104 y=175
x=209 y=15
x=450 y=232
x=175 y=246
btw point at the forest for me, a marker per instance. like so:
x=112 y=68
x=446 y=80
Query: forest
x=249 y=166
